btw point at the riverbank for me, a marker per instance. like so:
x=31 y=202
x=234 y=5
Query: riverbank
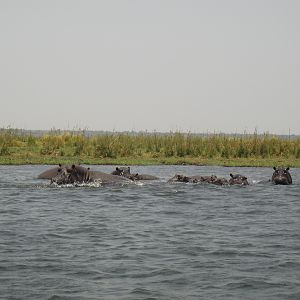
x=149 y=149
x=238 y=162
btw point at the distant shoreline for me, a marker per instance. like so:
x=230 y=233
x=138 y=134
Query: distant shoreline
x=18 y=148
x=91 y=133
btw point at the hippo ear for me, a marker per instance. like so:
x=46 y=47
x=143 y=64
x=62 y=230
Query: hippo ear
x=73 y=167
x=287 y=168
x=231 y=175
x=117 y=169
x=274 y=168
x=59 y=165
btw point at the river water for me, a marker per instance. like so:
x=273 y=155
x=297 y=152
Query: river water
x=154 y=240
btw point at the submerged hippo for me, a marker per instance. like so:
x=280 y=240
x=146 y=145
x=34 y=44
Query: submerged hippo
x=121 y=171
x=79 y=174
x=196 y=179
x=183 y=178
x=125 y=172
x=238 y=179
x=282 y=176
x=144 y=177
x=190 y=179
x=234 y=180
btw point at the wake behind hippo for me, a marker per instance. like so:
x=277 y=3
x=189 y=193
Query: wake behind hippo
x=282 y=176
x=78 y=174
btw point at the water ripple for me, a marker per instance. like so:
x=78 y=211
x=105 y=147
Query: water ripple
x=149 y=240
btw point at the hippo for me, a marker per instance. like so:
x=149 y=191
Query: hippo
x=121 y=171
x=281 y=176
x=183 y=178
x=79 y=174
x=220 y=181
x=208 y=179
x=195 y=179
x=238 y=179
x=144 y=177
x=213 y=179
x=125 y=172
x=48 y=174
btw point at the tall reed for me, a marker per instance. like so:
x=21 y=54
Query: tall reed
x=155 y=145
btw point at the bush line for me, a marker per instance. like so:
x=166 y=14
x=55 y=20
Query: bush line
x=146 y=148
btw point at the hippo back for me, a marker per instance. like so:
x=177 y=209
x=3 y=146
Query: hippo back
x=145 y=177
x=50 y=173
x=107 y=178
x=125 y=172
x=79 y=174
x=194 y=179
x=179 y=178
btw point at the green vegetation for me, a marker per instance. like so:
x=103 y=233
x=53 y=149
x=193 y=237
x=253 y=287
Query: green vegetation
x=142 y=149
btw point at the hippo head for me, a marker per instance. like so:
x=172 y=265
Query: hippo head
x=281 y=176
x=121 y=171
x=62 y=176
x=238 y=179
x=180 y=178
x=70 y=175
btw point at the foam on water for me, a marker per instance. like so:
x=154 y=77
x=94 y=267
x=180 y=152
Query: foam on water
x=94 y=184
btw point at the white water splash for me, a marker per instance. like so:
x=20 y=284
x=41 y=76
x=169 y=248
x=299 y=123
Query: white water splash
x=95 y=184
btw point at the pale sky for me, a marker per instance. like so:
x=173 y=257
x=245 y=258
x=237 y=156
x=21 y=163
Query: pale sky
x=165 y=65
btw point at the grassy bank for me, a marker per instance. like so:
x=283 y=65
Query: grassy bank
x=144 y=149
